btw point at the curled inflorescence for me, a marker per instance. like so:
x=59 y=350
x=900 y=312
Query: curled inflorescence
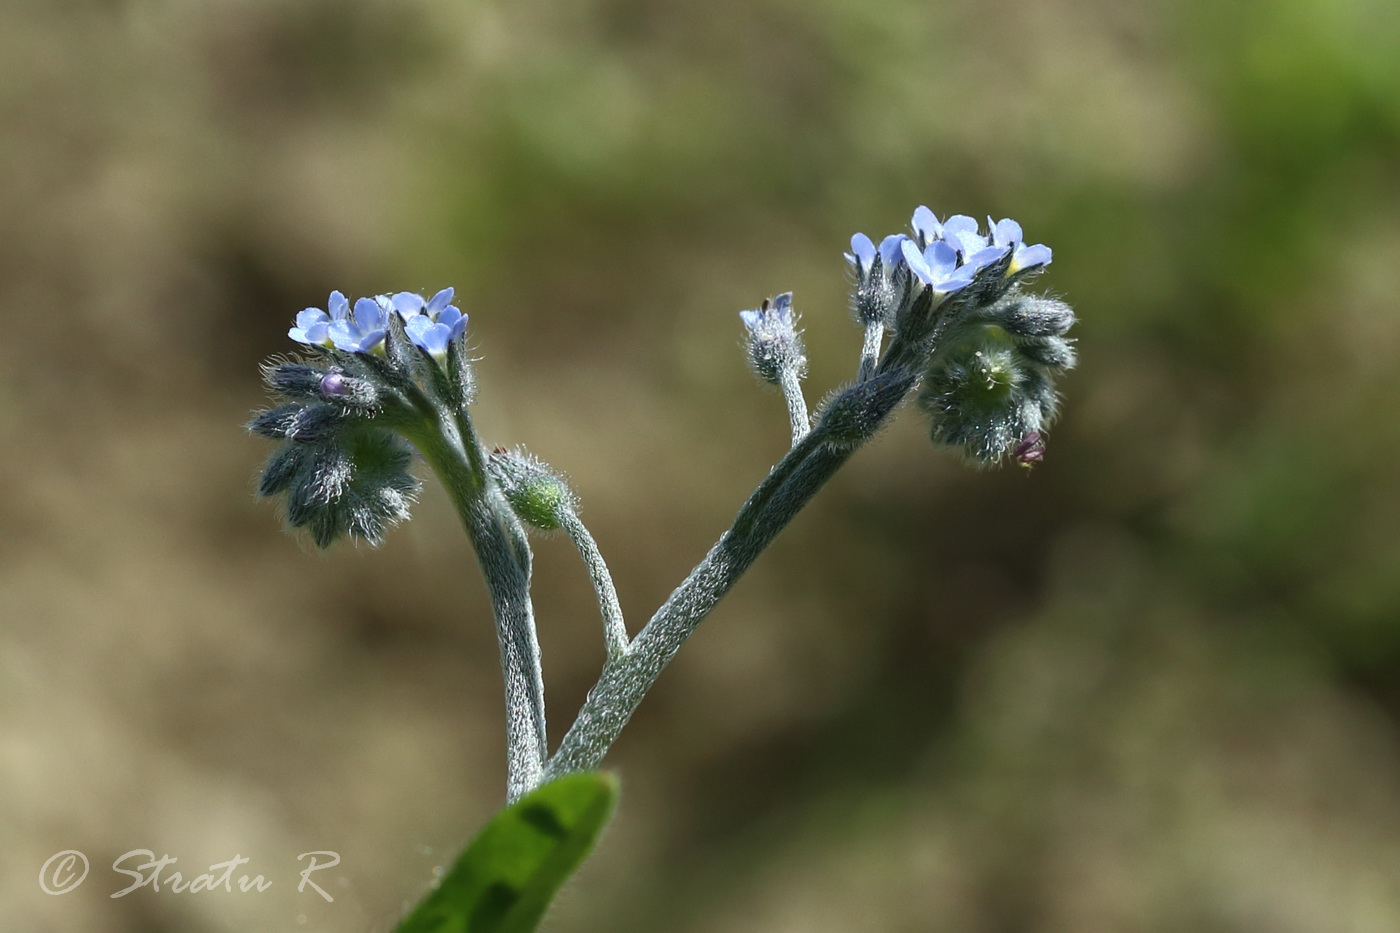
x=987 y=352
x=371 y=372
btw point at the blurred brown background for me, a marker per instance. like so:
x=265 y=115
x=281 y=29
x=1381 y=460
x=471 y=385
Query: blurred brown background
x=1151 y=686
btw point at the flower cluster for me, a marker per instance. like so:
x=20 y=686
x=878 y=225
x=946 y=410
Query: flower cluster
x=431 y=324
x=990 y=357
x=373 y=372
x=942 y=257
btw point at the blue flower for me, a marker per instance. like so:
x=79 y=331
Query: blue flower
x=431 y=324
x=960 y=232
x=1007 y=233
x=313 y=324
x=363 y=332
x=358 y=333
x=937 y=266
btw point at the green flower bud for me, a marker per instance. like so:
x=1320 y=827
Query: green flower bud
x=537 y=494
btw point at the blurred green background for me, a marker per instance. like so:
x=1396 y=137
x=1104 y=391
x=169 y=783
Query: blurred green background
x=1150 y=686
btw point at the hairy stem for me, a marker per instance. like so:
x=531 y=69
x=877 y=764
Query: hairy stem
x=455 y=454
x=614 y=630
x=870 y=350
x=790 y=485
x=796 y=404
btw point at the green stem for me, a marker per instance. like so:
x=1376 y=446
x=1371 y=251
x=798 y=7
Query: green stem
x=453 y=451
x=625 y=681
x=614 y=630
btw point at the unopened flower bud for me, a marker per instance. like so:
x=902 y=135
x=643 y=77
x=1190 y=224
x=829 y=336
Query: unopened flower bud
x=351 y=391
x=356 y=484
x=774 y=346
x=294 y=380
x=536 y=493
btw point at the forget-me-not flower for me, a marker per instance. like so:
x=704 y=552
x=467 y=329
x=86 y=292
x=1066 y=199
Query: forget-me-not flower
x=960 y=232
x=1007 y=233
x=431 y=324
x=359 y=332
x=937 y=266
x=863 y=253
x=313 y=324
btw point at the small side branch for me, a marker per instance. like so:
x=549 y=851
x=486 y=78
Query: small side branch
x=796 y=404
x=790 y=485
x=870 y=350
x=614 y=629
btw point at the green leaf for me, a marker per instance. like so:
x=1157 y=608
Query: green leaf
x=506 y=878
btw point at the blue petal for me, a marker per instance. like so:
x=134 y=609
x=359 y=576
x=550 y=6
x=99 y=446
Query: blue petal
x=961 y=231
x=958 y=280
x=916 y=263
x=437 y=339
x=368 y=315
x=926 y=225
x=433 y=337
x=782 y=305
x=985 y=257
x=371 y=340
x=311 y=316
x=1006 y=232
x=459 y=327
x=890 y=249
x=345 y=335
x=959 y=224
x=439 y=301
x=862 y=250
x=338 y=306
x=449 y=316
x=940 y=258
x=416 y=326
x=407 y=303
x=750 y=318
x=1030 y=256
x=315 y=335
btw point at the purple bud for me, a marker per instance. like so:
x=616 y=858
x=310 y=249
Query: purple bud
x=1030 y=450
x=334 y=385
x=350 y=391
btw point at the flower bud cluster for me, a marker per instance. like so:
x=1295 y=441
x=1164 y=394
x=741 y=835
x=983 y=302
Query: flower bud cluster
x=340 y=472
x=989 y=388
x=773 y=344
